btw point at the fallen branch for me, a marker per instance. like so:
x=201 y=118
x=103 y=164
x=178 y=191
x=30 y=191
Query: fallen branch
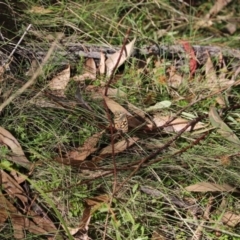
x=72 y=52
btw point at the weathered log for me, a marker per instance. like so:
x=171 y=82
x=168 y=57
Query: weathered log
x=73 y=52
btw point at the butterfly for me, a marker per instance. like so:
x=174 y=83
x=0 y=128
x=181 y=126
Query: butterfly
x=121 y=121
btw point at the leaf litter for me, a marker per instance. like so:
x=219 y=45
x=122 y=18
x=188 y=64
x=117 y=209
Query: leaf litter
x=22 y=218
x=17 y=156
x=136 y=117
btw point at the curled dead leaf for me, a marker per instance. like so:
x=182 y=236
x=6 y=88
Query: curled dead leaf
x=18 y=156
x=113 y=59
x=231 y=219
x=223 y=128
x=13 y=188
x=118 y=148
x=210 y=187
x=89 y=71
x=176 y=125
x=83 y=152
x=115 y=107
x=59 y=82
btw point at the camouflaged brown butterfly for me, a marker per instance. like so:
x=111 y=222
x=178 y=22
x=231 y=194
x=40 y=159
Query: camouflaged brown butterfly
x=120 y=121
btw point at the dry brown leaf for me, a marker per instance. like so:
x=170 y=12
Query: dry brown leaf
x=16 y=218
x=98 y=92
x=19 y=178
x=221 y=100
x=114 y=92
x=112 y=60
x=33 y=228
x=210 y=72
x=44 y=103
x=210 y=187
x=230 y=219
x=2 y=71
x=39 y=10
x=157 y=236
x=139 y=112
x=102 y=66
x=222 y=127
x=89 y=71
x=81 y=232
x=206 y=21
x=118 y=148
x=41 y=224
x=214 y=82
x=18 y=156
x=45 y=35
x=13 y=188
x=18 y=225
x=3 y=68
x=174 y=80
x=8 y=210
x=231 y=27
x=115 y=107
x=176 y=125
x=59 y=82
x=133 y=122
x=217 y=7
x=91 y=203
x=83 y=225
x=3 y=209
x=83 y=152
x=96 y=202
x=33 y=68
x=19 y=221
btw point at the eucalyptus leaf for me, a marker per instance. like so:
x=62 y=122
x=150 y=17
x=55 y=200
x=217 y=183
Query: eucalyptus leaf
x=223 y=128
x=159 y=105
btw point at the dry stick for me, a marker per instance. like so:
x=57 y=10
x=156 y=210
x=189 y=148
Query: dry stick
x=112 y=138
x=105 y=105
x=116 y=65
x=113 y=150
x=33 y=78
x=198 y=233
x=20 y=40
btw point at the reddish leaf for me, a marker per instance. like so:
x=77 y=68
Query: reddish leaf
x=192 y=57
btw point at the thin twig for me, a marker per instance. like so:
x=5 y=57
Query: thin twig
x=33 y=78
x=116 y=65
x=20 y=40
x=111 y=128
x=198 y=233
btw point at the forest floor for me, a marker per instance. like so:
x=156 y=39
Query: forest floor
x=95 y=149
